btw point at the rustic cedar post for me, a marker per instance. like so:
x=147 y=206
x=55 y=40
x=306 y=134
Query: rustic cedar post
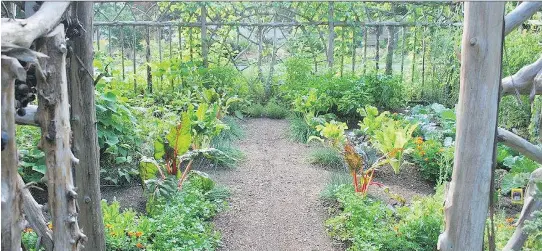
x=204 y=44
x=273 y=56
x=423 y=60
x=260 y=56
x=54 y=119
x=159 y=28
x=377 y=44
x=365 y=30
x=134 y=60
x=85 y=136
x=403 y=52
x=12 y=218
x=148 y=60
x=353 y=49
x=331 y=38
x=122 y=50
x=476 y=127
x=109 y=48
x=98 y=38
x=343 y=49
x=190 y=44
x=413 y=57
x=390 y=47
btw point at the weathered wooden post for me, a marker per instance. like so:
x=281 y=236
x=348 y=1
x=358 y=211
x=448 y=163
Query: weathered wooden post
x=389 y=48
x=83 y=123
x=331 y=38
x=12 y=218
x=467 y=200
x=54 y=119
x=204 y=44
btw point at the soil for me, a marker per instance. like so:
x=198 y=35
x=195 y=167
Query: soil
x=128 y=196
x=408 y=183
x=275 y=194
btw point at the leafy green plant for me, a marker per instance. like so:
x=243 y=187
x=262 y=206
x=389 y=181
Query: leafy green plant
x=255 y=110
x=275 y=111
x=520 y=169
x=177 y=222
x=117 y=136
x=429 y=157
x=368 y=224
x=392 y=140
x=372 y=120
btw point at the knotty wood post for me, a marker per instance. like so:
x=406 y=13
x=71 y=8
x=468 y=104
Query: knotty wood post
x=365 y=30
x=260 y=55
x=148 y=60
x=12 y=218
x=109 y=49
x=353 y=49
x=423 y=60
x=413 y=64
x=134 y=60
x=331 y=38
x=390 y=47
x=204 y=44
x=476 y=127
x=122 y=51
x=377 y=44
x=403 y=52
x=54 y=119
x=98 y=38
x=85 y=135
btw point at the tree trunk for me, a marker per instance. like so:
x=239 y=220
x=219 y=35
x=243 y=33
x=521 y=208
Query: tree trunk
x=467 y=200
x=54 y=118
x=12 y=219
x=85 y=137
x=390 y=47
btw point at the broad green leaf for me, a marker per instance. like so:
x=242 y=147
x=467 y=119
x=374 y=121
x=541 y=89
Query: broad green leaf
x=159 y=150
x=148 y=168
x=180 y=137
x=39 y=168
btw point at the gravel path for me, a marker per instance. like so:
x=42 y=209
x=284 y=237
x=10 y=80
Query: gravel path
x=274 y=202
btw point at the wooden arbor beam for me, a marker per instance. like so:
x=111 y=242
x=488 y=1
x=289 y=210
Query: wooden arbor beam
x=519 y=15
x=476 y=127
x=23 y=32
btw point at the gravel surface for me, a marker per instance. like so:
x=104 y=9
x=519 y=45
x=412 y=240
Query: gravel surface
x=275 y=194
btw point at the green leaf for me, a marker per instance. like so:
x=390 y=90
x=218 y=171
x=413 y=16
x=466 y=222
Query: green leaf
x=40 y=168
x=180 y=137
x=159 y=149
x=148 y=168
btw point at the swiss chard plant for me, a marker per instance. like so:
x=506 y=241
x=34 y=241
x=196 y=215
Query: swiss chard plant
x=392 y=140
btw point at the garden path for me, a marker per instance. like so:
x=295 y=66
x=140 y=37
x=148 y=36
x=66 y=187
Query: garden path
x=275 y=194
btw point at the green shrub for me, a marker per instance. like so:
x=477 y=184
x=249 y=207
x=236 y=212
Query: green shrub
x=275 y=111
x=300 y=131
x=31 y=160
x=435 y=161
x=367 y=224
x=327 y=157
x=255 y=110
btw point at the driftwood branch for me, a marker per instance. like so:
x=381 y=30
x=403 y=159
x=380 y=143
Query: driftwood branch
x=530 y=205
x=519 y=15
x=23 y=32
x=34 y=215
x=524 y=80
x=519 y=144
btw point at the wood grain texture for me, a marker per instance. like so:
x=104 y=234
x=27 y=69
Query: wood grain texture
x=467 y=201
